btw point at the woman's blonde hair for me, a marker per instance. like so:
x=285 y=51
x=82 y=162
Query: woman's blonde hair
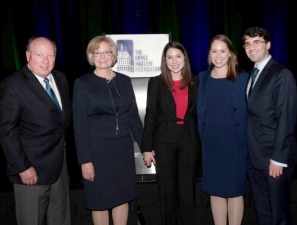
x=95 y=44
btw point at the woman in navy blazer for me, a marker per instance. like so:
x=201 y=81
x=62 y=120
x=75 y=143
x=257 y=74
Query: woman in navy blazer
x=222 y=124
x=170 y=135
x=104 y=112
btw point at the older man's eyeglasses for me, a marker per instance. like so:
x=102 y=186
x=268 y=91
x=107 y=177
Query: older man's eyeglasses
x=106 y=53
x=255 y=43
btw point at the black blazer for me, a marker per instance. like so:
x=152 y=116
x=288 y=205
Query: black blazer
x=272 y=109
x=160 y=119
x=94 y=115
x=32 y=132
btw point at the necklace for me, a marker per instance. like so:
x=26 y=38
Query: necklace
x=111 y=77
x=115 y=111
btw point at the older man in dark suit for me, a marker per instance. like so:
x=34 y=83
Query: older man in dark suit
x=272 y=108
x=35 y=113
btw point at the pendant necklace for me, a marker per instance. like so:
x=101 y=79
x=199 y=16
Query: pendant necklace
x=115 y=111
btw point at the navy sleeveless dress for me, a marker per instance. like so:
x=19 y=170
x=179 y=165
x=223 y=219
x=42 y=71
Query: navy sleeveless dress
x=223 y=160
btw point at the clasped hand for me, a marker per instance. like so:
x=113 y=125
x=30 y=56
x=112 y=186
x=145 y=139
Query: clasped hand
x=149 y=158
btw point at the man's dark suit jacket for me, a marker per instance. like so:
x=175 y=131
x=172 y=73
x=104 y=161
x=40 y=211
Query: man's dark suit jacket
x=32 y=132
x=272 y=109
x=160 y=118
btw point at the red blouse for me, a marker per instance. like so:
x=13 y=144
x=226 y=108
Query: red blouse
x=181 y=100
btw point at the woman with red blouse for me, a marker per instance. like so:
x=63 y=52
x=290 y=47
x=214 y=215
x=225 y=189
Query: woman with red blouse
x=170 y=139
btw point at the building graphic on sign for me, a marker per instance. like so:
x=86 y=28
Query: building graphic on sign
x=125 y=55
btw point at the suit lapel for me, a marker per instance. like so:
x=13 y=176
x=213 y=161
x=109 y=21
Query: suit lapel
x=60 y=89
x=260 y=80
x=204 y=86
x=167 y=94
x=34 y=84
x=192 y=93
x=237 y=89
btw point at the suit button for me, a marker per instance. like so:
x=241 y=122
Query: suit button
x=235 y=109
x=237 y=124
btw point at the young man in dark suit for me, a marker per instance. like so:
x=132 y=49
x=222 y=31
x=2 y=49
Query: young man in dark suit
x=272 y=108
x=35 y=113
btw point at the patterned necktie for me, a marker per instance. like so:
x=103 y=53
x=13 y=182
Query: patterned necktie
x=51 y=93
x=254 y=75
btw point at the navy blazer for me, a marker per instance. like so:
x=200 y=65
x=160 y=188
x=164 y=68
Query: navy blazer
x=94 y=115
x=239 y=104
x=272 y=109
x=32 y=131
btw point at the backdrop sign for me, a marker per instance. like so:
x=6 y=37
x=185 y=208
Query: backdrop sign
x=139 y=55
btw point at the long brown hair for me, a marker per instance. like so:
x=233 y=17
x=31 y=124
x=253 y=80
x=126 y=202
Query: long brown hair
x=186 y=73
x=232 y=63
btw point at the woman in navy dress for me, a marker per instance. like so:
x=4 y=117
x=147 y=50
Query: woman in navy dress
x=222 y=124
x=104 y=112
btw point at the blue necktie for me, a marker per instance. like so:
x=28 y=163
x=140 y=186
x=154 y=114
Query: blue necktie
x=254 y=75
x=51 y=93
